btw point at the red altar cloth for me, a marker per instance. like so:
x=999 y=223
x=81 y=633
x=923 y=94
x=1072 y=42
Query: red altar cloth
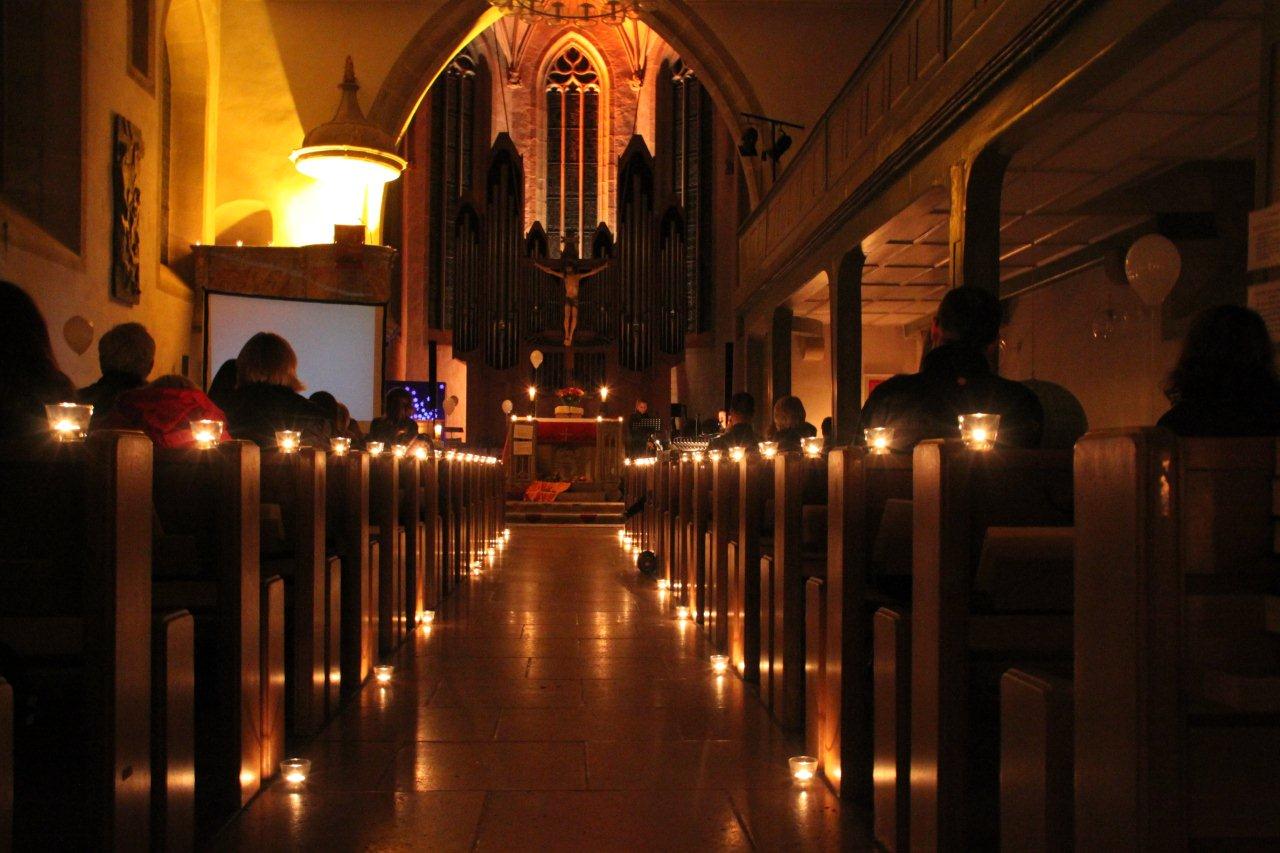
x=566 y=432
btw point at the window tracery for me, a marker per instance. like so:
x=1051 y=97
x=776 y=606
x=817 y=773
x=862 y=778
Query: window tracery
x=573 y=91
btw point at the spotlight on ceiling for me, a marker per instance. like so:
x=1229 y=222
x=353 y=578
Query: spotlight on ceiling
x=779 y=140
x=780 y=146
x=750 y=136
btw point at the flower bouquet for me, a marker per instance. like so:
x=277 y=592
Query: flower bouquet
x=570 y=402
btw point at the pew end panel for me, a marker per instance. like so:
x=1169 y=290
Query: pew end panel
x=1036 y=787
x=173 y=757
x=6 y=765
x=891 y=704
x=274 y=682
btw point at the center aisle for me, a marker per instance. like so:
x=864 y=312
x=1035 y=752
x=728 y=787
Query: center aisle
x=555 y=704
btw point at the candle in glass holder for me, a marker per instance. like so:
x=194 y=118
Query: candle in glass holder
x=682 y=613
x=382 y=673
x=720 y=664
x=879 y=439
x=622 y=534
x=664 y=584
x=768 y=449
x=206 y=433
x=438 y=429
x=399 y=451
x=714 y=455
x=340 y=445
x=812 y=446
x=737 y=454
x=697 y=456
x=68 y=421
x=375 y=448
x=979 y=430
x=288 y=440
x=803 y=767
x=420 y=453
x=294 y=770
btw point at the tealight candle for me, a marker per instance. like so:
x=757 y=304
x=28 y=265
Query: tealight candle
x=375 y=448
x=720 y=664
x=294 y=771
x=427 y=617
x=664 y=584
x=340 y=445
x=438 y=429
x=627 y=461
x=420 y=453
x=768 y=449
x=599 y=418
x=979 y=430
x=451 y=454
x=506 y=533
x=803 y=767
x=622 y=534
x=879 y=439
x=382 y=673
x=69 y=421
x=812 y=446
x=206 y=433
x=714 y=455
x=682 y=613
x=604 y=393
x=288 y=440
x=737 y=454
x=399 y=451
x=533 y=393
x=697 y=456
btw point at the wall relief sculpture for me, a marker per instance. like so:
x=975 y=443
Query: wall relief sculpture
x=126 y=200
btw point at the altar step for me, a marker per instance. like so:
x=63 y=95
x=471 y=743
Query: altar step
x=565 y=512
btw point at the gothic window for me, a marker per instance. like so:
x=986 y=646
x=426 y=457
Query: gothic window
x=573 y=139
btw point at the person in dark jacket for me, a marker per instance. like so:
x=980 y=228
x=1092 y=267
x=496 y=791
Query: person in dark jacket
x=163 y=410
x=266 y=398
x=223 y=385
x=126 y=354
x=29 y=374
x=955 y=379
x=396 y=426
x=1224 y=383
x=341 y=424
x=790 y=423
x=742 y=408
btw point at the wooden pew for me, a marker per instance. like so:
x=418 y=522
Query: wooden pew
x=723 y=528
x=800 y=496
x=1035 y=762
x=349 y=530
x=295 y=482
x=1177 y=725
x=415 y=537
x=6 y=765
x=173 y=710
x=75 y=640
x=695 y=483
x=433 y=589
x=968 y=627
x=207 y=504
x=755 y=492
x=891 y=735
x=668 y=509
x=859 y=484
x=384 y=516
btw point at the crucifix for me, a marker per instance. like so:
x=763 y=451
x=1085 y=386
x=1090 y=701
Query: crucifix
x=571 y=272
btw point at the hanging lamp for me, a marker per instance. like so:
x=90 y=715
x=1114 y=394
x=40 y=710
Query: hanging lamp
x=349 y=149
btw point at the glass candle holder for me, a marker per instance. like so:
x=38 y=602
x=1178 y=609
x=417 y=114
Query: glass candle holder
x=206 y=433
x=768 y=449
x=506 y=533
x=622 y=535
x=682 y=613
x=438 y=429
x=627 y=461
x=451 y=454
x=420 y=453
x=715 y=455
x=375 y=448
x=737 y=454
x=340 y=445
x=288 y=440
x=399 y=451
x=812 y=447
x=664 y=584
x=879 y=439
x=68 y=421
x=382 y=673
x=294 y=771
x=426 y=617
x=697 y=456
x=719 y=664
x=979 y=430
x=803 y=767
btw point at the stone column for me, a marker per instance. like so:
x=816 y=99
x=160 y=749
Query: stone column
x=846 y=346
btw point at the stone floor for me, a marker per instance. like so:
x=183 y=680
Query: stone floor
x=555 y=705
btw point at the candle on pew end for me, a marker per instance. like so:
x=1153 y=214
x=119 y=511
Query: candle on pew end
x=768 y=449
x=399 y=451
x=737 y=454
x=206 y=433
x=340 y=445
x=69 y=421
x=288 y=440
x=682 y=613
x=979 y=430
x=879 y=439
x=812 y=446
x=375 y=448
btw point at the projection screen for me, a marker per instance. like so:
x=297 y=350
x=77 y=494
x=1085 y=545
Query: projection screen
x=338 y=344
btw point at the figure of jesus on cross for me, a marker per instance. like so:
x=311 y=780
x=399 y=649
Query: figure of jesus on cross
x=571 y=271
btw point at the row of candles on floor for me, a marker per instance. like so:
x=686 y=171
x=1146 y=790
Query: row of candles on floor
x=294 y=771
x=70 y=422
x=978 y=431
x=803 y=767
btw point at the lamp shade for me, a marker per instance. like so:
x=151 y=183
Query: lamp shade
x=349 y=149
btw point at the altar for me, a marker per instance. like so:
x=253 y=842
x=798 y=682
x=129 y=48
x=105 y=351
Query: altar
x=583 y=451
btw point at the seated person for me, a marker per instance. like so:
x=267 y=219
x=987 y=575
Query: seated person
x=29 y=374
x=789 y=423
x=163 y=410
x=224 y=383
x=396 y=426
x=1224 y=383
x=637 y=435
x=340 y=421
x=266 y=398
x=956 y=379
x=742 y=407
x=126 y=355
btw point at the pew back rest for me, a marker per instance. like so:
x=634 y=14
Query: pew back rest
x=1026 y=570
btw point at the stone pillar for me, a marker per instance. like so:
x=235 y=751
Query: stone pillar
x=846 y=347
x=1268 y=171
x=975 y=221
x=779 y=358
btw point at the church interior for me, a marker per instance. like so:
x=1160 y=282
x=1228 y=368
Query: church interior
x=639 y=424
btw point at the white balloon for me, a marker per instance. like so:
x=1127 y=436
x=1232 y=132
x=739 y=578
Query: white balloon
x=450 y=404
x=507 y=406
x=1152 y=266
x=535 y=358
